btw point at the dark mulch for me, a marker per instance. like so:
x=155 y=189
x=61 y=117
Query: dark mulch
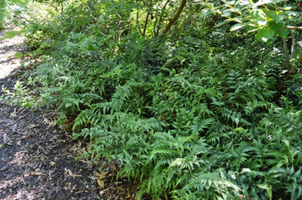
x=38 y=162
x=37 y=157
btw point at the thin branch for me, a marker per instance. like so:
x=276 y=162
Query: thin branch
x=161 y=17
x=137 y=22
x=171 y=22
x=262 y=57
x=154 y=26
x=286 y=54
x=292 y=49
x=146 y=23
x=293 y=27
x=300 y=58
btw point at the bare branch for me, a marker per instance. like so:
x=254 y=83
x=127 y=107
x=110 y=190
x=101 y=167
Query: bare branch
x=293 y=27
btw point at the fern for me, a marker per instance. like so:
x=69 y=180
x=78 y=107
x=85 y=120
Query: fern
x=193 y=116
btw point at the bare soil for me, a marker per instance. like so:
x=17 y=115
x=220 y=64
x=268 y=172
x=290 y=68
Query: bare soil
x=37 y=157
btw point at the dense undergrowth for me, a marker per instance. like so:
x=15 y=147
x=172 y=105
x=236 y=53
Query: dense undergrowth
x=193 y=113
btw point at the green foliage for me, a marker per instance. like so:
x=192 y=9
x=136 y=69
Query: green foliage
x=192 y=114
x=2 y=11
x=10 y=12
x=196 y=126
x=268 y=21
x=11 y=34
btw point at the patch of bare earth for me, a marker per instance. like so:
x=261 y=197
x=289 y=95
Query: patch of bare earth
x=8 y=47
x=37 y=157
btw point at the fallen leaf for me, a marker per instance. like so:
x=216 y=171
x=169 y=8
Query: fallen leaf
x=37 y=174
x=14 y=128
x=101 y=175
x=120 y=188
x=72 y=189
x=14 y=114
x=101 y=183
x=6 y=139
x=71 y=174
x=103 y=191
x=33 y=126
x=23 y=137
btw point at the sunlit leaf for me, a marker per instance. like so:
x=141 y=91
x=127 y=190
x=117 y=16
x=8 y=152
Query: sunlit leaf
x=18 y=55
x=272 y=14
x=246 y=170
x=227 y=13
x=261 y=22
x=237 y=26
x=11 y=34
x=287 y=8
x=263 y=2
x=235 y=19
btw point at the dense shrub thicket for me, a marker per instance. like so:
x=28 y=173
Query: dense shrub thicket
x=193 y=112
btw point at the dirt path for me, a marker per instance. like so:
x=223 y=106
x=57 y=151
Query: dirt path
x=7 y=50
x=37 y=158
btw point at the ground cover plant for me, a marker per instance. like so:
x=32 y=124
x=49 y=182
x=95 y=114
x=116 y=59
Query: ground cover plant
x=191 y=106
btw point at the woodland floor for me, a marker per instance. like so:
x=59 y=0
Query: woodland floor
x=37 y=157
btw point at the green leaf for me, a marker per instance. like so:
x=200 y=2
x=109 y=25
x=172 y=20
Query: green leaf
x=268 y=188
x=272 y=15
x=11 y=34
x=235 y=19
x=278 y=1
x=18 y=55
x=199 y=125
x=45 y=44
x=282 y=33
x=263 y=2
x=263 y=186
x=261 y=22
x=220 y=24
x=265 y=34
x=237 y=26
x=276 y=25
x=246 y=170
x=227 y=13
x=177 y=162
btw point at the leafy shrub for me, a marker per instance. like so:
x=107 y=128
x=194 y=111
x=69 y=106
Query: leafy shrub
x=192 y=115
